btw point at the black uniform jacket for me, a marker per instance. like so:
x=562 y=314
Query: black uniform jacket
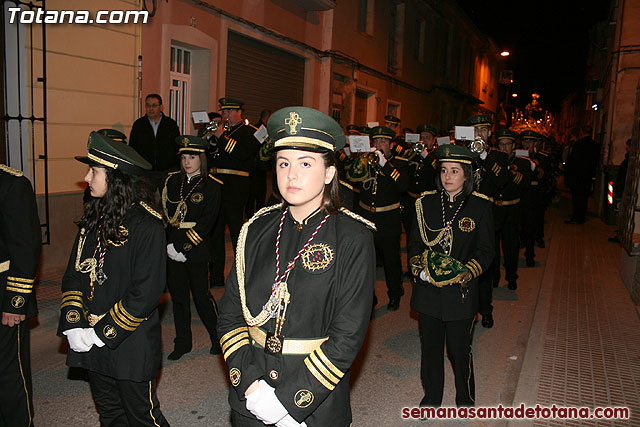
x=331 y=289
x=473 y=245
x=202 y=198
x=423 y=173
x=128 y=299
x=160 y=149
x=384 y=188
x=519 y=181
x=20 y=243
x=495 y=173
x=237 y=148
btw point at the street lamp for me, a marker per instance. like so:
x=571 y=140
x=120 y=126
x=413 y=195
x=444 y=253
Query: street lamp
x=504 y=53
x=514 y=95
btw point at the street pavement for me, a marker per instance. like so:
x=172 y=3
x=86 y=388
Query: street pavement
x=569 y=335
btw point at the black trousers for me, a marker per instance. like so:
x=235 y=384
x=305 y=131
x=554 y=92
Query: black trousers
x=485 y=291
x=527 y=230
x=184 y=278
x=408 y=215
x=507 y=234
x=579 y=201
x=16 y=405
x=458 y=335
x=126 y=403
x=235 y=193
x=257 y=192
x=388 y=248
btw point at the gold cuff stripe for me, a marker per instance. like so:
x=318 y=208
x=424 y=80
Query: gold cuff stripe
x=70 y=303
x=126 y=313
x=194 y=237
x=472 y=268
x=19 y=285
x=328 y=363
x=318 y=364
x=20 y=279
x=119 y=323
x=19 y=290
x=317 y=374
x=235 y=347
x=71 y=293
x=232 y=333
x=116 y=314
x=234 y=340
x=73 y=298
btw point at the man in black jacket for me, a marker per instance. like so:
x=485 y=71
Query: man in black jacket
x=153 y=136
x=580 y=170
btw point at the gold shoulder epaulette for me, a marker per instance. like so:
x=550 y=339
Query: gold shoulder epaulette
x=249 y=124
x=482 y=196
x=357 y=217
x=346 y=184
x=174 y=172
x=404 y=159
x=10 y=170
x=424 y=193
x=265 y=211
x=216 y=179
x=151 y=210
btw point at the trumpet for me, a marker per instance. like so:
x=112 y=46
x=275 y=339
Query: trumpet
x=212 y=127
x=477 y=145
x=372 y=159
x=418 y=147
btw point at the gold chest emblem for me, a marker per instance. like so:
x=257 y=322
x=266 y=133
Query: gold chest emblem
x=17 y=301
x=303 y=398
x=317 y=257
x=197 y=197
x=466 y=224
x=109 y=332
x=293 y=121
x=73 y=316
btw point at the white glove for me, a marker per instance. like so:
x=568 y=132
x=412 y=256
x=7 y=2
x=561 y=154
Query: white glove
x=483 y=155
x=264 y=404
x=533 y=165
x=424 y=277
x=381 y=159
x=90 y=336
x=175 y=255
x=288 y=421
x=76 y=340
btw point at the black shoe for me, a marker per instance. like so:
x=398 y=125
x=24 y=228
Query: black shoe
x=394 y=304
x=487 y=321
x=215 y=349
x=513 y=286
x=177 y=354
x=531 y=262
x=540 y=243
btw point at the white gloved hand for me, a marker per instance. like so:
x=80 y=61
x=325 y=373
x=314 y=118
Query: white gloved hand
x=175 y=255
x=264 y=404
x=381 y=159
x=483 y=155
x=533 y=165
x=288 y=421
x=424 y=277
x=76 y=340
x=90 y=337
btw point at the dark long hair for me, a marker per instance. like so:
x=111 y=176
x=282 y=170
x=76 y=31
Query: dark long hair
x=107 y=213
x=469 y=180
x=331 y=196
x=203 y=164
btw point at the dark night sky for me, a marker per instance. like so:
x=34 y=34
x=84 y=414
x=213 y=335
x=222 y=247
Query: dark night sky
x=548 y=41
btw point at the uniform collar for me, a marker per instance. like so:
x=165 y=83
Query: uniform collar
x=314 y=218
x=456 y=198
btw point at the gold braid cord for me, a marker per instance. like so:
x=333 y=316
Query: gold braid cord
x=357 y=217
x=88 y=265
x=422 y=224
x=181 y=208
x=264 y=315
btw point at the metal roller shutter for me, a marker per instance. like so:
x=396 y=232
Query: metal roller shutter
x=262 y=76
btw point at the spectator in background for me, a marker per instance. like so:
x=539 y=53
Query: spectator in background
x=621 y=178
x=580 y=170
x=153 y=136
